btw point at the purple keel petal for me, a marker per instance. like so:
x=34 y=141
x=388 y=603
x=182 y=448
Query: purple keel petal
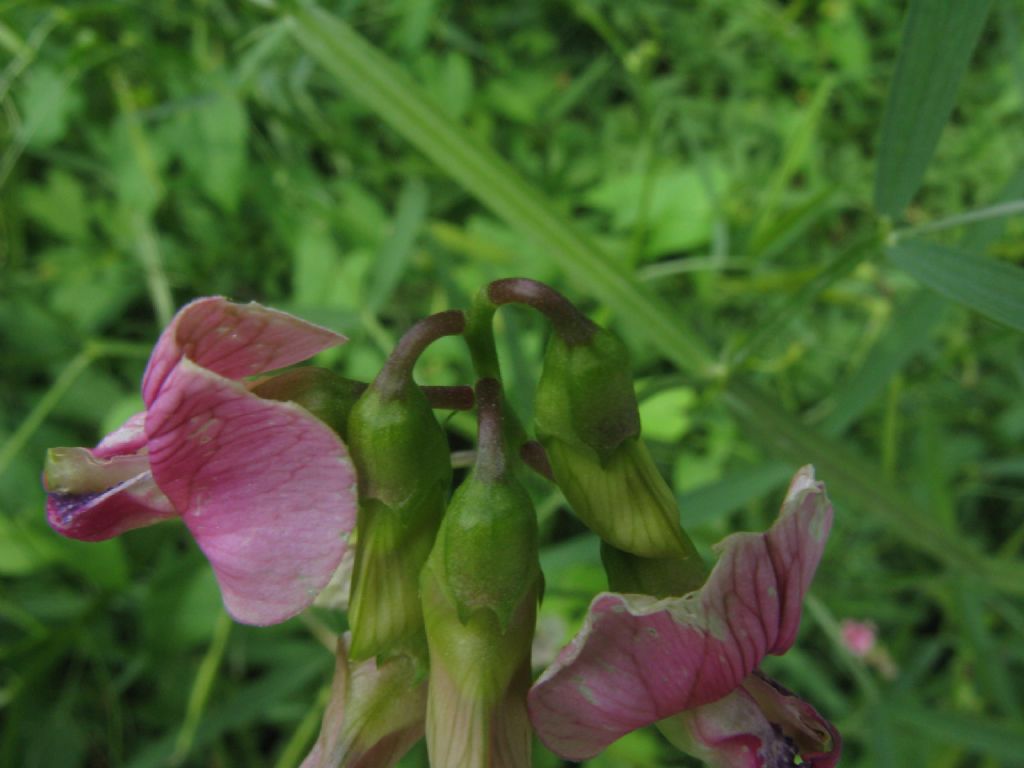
x=760 y=725
x=638 y=660
x=266 y=489
x=234 y=340
x=92 y=499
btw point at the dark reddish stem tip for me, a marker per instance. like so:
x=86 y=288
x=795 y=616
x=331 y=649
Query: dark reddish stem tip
x=536 y=458
x=397 y=371
x=450 y=398
x=569 y=323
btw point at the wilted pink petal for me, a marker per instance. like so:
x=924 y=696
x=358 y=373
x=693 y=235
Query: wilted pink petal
x=233 y=340
x=638 y=660
x=374 y=716
x=759 y=725
x=266 y=489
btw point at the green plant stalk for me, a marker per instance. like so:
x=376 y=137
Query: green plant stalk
x=201 y=689
x=998 y=211
x=380 y=84
x=64 y=381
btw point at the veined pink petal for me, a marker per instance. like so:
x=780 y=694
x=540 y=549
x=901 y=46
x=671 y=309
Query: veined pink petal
x=638 y=660
x=93 y=495
x=759 y=725
x=266 y=489
x=233 y=340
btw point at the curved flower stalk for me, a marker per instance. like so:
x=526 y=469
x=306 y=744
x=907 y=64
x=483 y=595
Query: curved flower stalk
x=266 y=489
x=639 y=660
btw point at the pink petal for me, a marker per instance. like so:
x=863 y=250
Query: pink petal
x=129 y=438
x=759 y=725
x=638 y=660
x=234 y=340
x=98 y=494
x=266 y=489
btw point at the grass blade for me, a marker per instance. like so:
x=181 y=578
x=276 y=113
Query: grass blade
x=370 y=76
x=373 y=78
x=993 y=288
x=938 y=40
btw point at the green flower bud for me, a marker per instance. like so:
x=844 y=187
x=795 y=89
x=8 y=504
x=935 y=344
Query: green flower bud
x=480 y=589
x=401 y=457
x=323 y=393
x=587 y=419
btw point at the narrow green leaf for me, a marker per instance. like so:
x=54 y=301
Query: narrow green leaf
x=938 y=40
x=714 y=500
x=374 y=79
x=999 y=739
x=908 y=334
x=993 y=288
x=397 y=249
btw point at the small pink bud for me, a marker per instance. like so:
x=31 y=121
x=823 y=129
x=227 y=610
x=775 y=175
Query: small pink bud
x=859 y=637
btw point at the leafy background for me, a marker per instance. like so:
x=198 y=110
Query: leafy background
x=798 y=215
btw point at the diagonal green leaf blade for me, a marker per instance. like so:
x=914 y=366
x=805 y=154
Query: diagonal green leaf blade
x=938 y=40
x=993 y=288
x=370 y=76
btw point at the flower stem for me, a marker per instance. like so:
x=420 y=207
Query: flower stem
x=572 y=325
x=397 y=371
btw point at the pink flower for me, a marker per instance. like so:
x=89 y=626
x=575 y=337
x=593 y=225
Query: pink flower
x=858 y=636
x=266 y=489
x=691 y=662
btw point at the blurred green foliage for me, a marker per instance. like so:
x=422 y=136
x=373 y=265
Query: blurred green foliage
x=722 y=157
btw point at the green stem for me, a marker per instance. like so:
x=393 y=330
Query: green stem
x=998 y=211
x=479 y=336
x=201 y=689
x=67 y=378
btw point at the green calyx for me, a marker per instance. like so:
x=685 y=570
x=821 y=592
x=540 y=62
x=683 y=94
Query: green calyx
x=486 y=556
x=324 y=394
x=625 y=501
x=659 y=577
x=585 y=395
x=401 y=457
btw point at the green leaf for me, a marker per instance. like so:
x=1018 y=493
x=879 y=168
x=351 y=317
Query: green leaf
x=371 y=77
x=909 y=333
x=395 y=252
x=48 y=103
x=1002 y=739
x=217 y=147
x=938 y=39
x=715 y=500
x=993 y=288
